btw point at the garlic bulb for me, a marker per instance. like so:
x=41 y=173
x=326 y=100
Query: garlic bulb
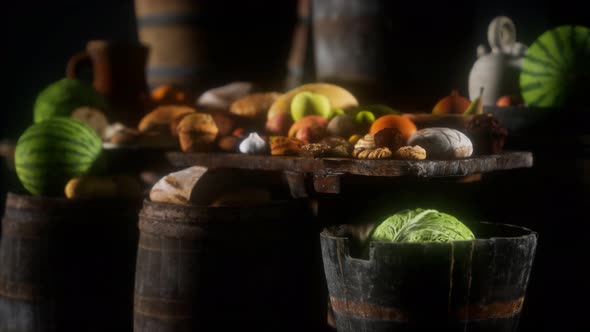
x=253 y=144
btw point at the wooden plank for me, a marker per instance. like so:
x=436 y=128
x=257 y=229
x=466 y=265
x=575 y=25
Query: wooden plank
x=296 y=183
x=327 y=183
x=331 y=166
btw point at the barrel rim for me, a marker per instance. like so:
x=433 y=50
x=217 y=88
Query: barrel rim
x=199 y=208
x=327 y=233
x=13 y=199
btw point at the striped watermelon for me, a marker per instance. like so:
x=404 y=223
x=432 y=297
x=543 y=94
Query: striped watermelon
x=556 y=68
x=63 y=97
x=50 y=153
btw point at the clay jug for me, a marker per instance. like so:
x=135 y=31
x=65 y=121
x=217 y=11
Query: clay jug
x=118 y=70
x=498 y=71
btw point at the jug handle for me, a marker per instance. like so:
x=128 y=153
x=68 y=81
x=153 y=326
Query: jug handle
x=76 y=59
x=501 y=34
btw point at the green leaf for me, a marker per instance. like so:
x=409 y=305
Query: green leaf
x=421 y=225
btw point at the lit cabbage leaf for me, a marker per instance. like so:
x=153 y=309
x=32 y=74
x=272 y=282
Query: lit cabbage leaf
x=421 y=225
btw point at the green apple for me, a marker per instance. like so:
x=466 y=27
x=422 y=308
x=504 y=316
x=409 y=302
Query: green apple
x=309 y=103
x=365 y=118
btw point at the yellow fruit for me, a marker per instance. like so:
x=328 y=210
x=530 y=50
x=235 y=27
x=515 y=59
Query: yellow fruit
x=89 y=187
x=338 y=97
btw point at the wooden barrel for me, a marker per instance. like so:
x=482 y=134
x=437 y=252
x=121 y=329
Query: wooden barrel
x=198 y=44
x=173 y=30
x=475 y=285
x=205 y=268
x=67 y=265
x=352 y=44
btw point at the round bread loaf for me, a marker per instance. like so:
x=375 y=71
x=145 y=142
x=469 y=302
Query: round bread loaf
x=442 y=143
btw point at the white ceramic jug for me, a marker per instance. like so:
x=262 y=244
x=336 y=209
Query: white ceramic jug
x=498 y=71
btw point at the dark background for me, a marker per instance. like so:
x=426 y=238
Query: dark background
x=435 y=45
x=434 y=42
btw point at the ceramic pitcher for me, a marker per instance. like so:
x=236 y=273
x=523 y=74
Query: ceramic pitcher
x=497 y=71
x=118 y=70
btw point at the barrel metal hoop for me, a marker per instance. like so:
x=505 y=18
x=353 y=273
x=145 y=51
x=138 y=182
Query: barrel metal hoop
x=21 y=291
x=477 y=311
x=173 y=230
x=162 y=309
x=160 y=20
x=28 y=230
x=368 y=310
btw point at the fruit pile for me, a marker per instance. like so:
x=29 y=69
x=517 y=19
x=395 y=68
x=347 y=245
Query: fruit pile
x=61 y=153
x=313 y=120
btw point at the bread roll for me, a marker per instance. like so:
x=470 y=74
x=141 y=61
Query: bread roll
x=442 y=143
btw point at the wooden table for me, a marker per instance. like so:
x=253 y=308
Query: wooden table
x=326 y=172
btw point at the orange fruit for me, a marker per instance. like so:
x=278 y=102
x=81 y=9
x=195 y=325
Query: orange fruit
x=400 y=122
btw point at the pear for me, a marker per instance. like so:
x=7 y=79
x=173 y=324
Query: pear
x=476 y=106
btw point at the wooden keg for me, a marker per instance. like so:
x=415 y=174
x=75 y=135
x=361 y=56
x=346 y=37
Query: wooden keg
x=477 y=285
x=67 y=265
x=352 y=45
x=174 y=32
x=227 y=268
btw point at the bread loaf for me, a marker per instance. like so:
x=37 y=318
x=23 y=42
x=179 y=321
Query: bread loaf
x=442 y=143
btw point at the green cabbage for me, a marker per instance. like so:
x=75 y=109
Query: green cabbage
x=421 y=225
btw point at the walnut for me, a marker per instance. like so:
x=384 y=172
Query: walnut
x=411 y=152
x=378 y=153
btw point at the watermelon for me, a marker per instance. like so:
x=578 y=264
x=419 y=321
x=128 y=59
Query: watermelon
x=63 y=97
x=50 y=153
x=556 y=68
